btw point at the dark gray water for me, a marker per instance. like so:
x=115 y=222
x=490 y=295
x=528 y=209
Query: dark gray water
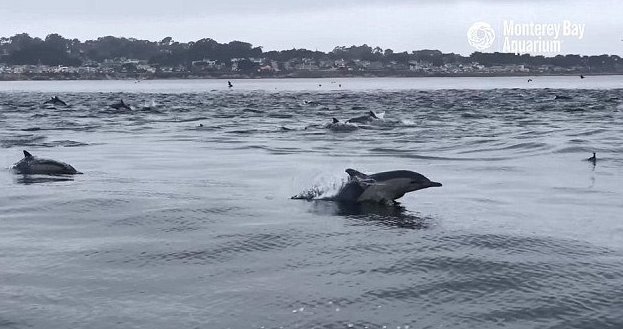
x=174 y=225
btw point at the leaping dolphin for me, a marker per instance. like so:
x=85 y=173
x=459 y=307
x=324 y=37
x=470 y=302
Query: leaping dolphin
x=31 y=165
x=364 y=118
x=382 y=187
x=55 y=101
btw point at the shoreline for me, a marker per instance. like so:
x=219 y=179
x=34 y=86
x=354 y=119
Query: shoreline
x=305 y=75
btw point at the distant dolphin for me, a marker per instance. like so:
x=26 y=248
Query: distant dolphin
x=562 y=97
x=338 y=126
x=31 y=165
x=229 y=84
x=364 y=118
x=592 y=159
x=121 y=105
x=381 y=187
x=582 y=77
x=55 y=101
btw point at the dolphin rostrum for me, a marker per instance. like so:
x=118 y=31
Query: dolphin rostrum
x=31 y=165
x=382 y=187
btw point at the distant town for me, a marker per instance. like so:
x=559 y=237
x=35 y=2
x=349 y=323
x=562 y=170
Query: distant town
x=23 y=57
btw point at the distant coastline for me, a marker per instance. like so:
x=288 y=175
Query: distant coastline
x=302 y=75
x=23 y=57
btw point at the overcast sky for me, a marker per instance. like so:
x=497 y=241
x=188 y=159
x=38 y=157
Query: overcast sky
x=317 y=24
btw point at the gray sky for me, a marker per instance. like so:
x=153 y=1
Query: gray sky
x=320 y=24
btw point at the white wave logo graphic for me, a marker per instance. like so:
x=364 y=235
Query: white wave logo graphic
x=480 y=35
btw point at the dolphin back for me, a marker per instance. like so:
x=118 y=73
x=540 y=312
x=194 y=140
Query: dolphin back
x=31 y=165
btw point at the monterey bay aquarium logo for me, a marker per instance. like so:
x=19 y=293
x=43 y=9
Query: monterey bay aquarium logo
x=524 y=38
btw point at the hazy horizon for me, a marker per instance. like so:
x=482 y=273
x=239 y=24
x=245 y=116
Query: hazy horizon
x=279 y=24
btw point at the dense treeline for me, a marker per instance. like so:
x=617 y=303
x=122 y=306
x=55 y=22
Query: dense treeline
x=22 y=49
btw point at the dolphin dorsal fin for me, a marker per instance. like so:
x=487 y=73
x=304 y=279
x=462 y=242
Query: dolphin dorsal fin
x=359 y=177
x=356 y=174
x=27 y=154
x=372 y=114
x=336 y=120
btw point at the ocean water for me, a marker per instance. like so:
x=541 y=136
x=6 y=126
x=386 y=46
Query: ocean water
x=177 y=225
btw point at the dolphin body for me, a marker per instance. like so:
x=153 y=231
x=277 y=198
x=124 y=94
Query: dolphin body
x=31 y=165
x=383 y=187
x=371 y=116
x=55 y=101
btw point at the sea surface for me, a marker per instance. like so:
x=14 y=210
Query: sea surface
x=183 y=216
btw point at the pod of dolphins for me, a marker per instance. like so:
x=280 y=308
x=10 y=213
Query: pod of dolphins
x=382 y=187
x=56 y=101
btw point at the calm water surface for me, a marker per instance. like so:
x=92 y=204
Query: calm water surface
x=176 y=225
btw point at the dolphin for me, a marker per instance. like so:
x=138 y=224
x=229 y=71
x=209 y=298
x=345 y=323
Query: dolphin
x=121 y=105
x=229 y=84
x=338 y=126
x=364 y=118
x=31 y=165
x=55 y=101
x=383 y=187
